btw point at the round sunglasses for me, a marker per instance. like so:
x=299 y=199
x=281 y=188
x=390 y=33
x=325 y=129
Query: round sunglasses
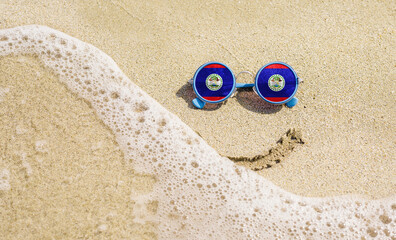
x=214 y=82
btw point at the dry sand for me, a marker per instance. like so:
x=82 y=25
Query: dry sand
x=343 y=51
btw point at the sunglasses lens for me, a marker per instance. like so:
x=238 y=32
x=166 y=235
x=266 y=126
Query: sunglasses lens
x=214 y=82
x=276 y=83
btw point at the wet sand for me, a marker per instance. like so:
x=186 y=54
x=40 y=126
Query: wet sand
x=67 y=178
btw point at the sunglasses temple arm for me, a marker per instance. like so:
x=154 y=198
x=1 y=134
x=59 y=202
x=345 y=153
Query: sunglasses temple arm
x=244 y=85
x=198 y=103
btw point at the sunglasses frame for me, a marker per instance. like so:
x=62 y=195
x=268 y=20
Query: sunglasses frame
x=199 y=97
x=291 y=101
x=199 y=102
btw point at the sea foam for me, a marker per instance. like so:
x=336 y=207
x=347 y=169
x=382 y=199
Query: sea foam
x=200 y=195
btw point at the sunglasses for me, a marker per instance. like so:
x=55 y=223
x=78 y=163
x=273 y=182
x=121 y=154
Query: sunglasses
x=214 y=82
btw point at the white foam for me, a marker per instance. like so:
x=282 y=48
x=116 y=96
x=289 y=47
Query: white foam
x=200 y=194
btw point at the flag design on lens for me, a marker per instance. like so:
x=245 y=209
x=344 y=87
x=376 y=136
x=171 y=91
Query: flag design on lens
x=214 y=82
x=276 y=83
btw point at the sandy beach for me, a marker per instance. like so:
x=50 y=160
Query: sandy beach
x=344 y=121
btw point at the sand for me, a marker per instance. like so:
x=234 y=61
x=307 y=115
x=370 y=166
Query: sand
x=343 y=51
x=68 y=173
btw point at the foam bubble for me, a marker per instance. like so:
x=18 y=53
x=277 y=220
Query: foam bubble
x=198 y=194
